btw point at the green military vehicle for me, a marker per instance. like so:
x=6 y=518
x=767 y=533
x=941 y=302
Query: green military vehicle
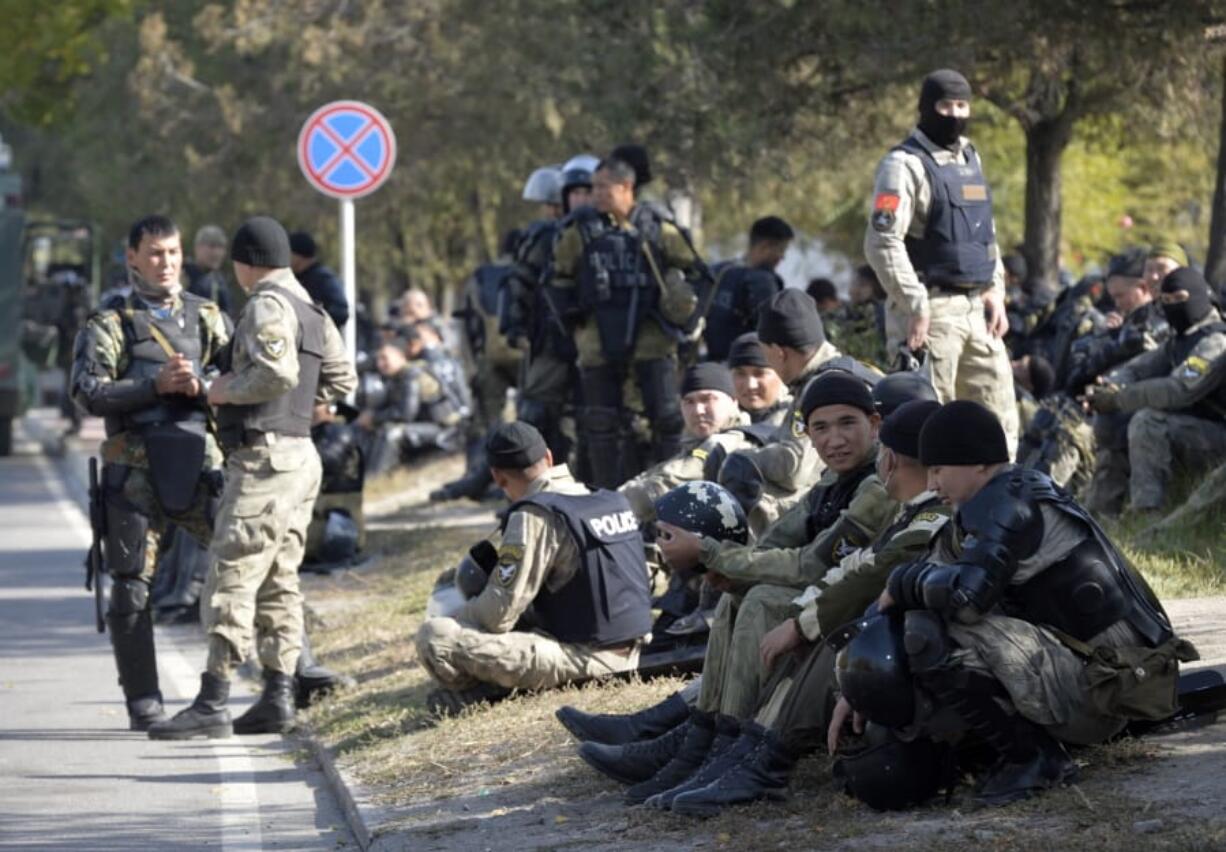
x=18 y=377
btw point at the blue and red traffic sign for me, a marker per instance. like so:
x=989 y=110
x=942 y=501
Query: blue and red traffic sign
x=346 y=149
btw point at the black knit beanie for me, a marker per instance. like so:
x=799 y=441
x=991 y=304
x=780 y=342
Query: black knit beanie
x=709 y=375
x=836 y=387
x=900 y=431
x=261 y=241
x=514 y=446
x=746 y=351
x=791 y=319
x=962 y=432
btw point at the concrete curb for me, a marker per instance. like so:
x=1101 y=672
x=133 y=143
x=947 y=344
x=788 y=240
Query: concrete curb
x=364 y=818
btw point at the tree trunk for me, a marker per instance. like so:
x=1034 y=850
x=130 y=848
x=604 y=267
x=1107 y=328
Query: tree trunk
x=1215 y=263
x=1046 y=140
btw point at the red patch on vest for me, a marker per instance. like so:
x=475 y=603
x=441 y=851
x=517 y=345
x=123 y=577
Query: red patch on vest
x=886 y=201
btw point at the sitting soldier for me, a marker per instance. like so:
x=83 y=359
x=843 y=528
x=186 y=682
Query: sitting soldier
x=843 y=512
x=759 y=390
x=795 y=707
x=714 y=426
x=1037 y=633
x=574 y=557
x=1177 y=402
x=420 y=410
x=770 y=479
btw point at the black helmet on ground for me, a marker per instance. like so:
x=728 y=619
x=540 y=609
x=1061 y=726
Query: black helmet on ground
x=893 y=390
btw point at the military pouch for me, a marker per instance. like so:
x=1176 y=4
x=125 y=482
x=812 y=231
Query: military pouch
x=176 y=458
x=1137 y=682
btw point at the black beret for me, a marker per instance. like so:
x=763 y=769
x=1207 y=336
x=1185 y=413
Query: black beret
x=302 y=244
x=709 y=375
x=835 y=387
x=261 y=241
x=963 y=432
x=900 y=431
x=791 y=319
x=514 y=446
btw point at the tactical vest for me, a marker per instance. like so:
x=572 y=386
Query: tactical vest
x=608 y=601
x=1090 y=589
x=456 y=401
x=955 y=251
x=731 y=313
x=1212 y=406
x=826 y=502
x=291 y=412
x=146 y=356
x=617 y=282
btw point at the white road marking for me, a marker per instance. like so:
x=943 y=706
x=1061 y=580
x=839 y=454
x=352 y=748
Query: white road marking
x=240 y=803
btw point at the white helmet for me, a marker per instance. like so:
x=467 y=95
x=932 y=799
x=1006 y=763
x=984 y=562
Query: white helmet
x=544 y=186
x=586 y=162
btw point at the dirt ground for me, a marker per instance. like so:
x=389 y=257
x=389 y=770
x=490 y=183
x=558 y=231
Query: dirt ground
x=507 y=776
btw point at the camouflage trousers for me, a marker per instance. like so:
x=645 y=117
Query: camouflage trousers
x=131 y=489
x=964 y=359
x=799 y=698
x=1161 y=441
x=252 y=589
x=732 y=675
x=460 y=657
x=1046 y=681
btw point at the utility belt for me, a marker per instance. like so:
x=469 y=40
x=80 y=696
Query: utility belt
x=237 y=438
x=957 y=288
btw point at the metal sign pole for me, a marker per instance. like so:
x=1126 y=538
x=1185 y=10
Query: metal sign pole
x=349 y=276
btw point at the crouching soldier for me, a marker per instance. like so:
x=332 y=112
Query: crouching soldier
x=573 y=557
x=1039 y=633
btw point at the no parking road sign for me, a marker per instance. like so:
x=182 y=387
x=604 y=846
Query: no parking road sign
x=346 y=149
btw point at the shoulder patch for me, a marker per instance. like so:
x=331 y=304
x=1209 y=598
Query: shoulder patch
x=509 y=557
x=887 y=201
x=699 y=453
x=274 y=346
x=1194 y=367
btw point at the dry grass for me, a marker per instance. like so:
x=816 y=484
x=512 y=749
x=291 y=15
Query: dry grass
x=510 y=771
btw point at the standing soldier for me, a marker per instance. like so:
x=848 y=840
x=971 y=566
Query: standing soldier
x=143 y=365
x=286 y=358
x=204 y=275
x=627 y=266
x=932 y=242
x=742 y=289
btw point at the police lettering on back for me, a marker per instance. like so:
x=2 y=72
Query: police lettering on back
x=611 y=526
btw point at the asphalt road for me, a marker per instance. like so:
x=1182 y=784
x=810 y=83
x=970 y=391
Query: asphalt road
x=71 y=775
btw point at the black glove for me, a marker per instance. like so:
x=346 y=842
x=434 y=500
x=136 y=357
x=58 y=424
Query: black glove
x=474 y=569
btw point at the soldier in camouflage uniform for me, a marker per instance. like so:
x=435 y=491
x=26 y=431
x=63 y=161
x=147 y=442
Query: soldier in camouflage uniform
x=759 y=390
x=143 y=365
x=1176 y=399
x=626 y=265
x=742 y=288
x=287 y=358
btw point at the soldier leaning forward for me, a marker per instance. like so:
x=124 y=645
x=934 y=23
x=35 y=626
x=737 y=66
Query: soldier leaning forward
x=287 y=357
x=626 y=264
x=573 y=557
x=1037 y=633
x=143 y=366
x=1175 y=396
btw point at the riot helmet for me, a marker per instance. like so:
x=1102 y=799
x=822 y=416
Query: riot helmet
x=340 y=540
x=893 y=390
x=544 y=186
x=888 y=773
x=873 y=670
x=706 y=509
x=582 y=162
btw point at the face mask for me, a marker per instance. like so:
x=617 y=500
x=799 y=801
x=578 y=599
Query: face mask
x=944 y=130
x=1184 y=315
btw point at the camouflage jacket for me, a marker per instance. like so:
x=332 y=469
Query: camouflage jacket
x=101 y=361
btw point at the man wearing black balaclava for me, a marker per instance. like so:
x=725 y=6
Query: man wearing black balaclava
x=1178 y=394
x=931 y=239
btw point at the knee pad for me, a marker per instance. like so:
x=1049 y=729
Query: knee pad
x=128 y=597
x=126 y=532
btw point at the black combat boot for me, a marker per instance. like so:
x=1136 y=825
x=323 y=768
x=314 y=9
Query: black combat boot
x=1029 y=760
x=693 y=751
x=132 y=641
x=313 y=681
x=726 y=750
x=273 y=712
x=611 y=729
x=635 y=762
x=206 y=717
x=762 y=773
x=451 y=702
